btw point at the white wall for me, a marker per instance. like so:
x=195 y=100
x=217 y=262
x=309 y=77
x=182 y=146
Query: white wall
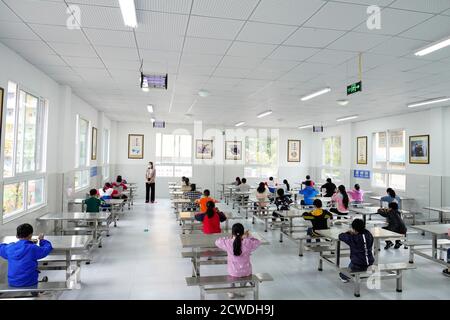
x=206 y=173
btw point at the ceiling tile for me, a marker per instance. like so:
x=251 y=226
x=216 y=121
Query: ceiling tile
x=44 y=12
x=434 y=6
x=248 y=49
x=28 y=46
x=6 y=14
x=44 y=59
x=206 y=46
x=293 y=12
x=113 y=38
x=332 y=56
x=73 y=49
x=102 y=18
x=232 y=72
x=331 y=16
x=113 y=53
x=51 y=33
x=394 y=21
x=156 y=41
x=213 y=28
x=161 y=23
x=200 y=59
x=83 y=62
x=433 y=29
x=240 y=62
x=121 y=64
x=359 y=42
x=232 y=9
x=313 y=37
x=398 y=46
x=16 y=30
x=293 y=53
x=173 y=6
x=265 y=33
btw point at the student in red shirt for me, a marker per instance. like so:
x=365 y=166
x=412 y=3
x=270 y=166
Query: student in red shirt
x=211 y=219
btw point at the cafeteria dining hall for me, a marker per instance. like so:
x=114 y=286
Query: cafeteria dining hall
x=225 y=151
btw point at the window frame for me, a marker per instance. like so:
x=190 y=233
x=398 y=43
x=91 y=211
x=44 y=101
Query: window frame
x=40 y=154
x=81 y=168
x=106 y=150
x=260 y=165
x=177 y=161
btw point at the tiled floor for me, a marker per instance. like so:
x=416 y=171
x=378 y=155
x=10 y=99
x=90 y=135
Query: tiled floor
x=135 y=264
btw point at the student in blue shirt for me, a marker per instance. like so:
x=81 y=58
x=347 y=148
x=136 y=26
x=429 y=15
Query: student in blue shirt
x=392 y=197
x=309 y=193
x=23 y=255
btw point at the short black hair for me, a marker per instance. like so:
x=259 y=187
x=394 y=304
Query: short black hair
x=193 y=187
x=206 y=192
x=317 y=203
x=244 y=180
x=280 y=192
x=308 y=183
x=393 y=205
x=308 y=177
x=24 y=231
x=93 y=192
x=270 y=178
x=358 y=225
x=329 y=180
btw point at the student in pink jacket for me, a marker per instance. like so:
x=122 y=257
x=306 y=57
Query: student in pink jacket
x=341 y=199
x=356 y=194
x=239 y=248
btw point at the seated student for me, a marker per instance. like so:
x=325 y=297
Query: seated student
x=341 y=199
x=309 y=193
x=237 y=182
x=319 y=219
x=243 y=187
x=391 y=197
x=107 y=191
x=192 y=195
x=262 y=196
x=308 y=178
x=186 y=186
x=93 y=203
x=23 y=257
x=183 y=178
x=282 y=201
x=329 y=187
x=446 y=272
x=211 y=218
x=360 y=241
x=395 y=223
x=357 y=194
x=119 y=186
x=204 y=200
x=239 y=248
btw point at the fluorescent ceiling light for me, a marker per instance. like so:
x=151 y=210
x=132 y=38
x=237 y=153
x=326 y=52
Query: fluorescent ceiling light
x=306 y=126
x=342 y=102
x=434 y=47
x=239 y=124
x=128 y=13
x=203 y=93
x=265 y=113
x=346 y=118
x=315 y=94
x=150 y=108
x=152 y=120
x=426 y=102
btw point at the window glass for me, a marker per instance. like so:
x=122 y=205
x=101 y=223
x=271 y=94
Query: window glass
x=261 y=157
x=13 y=198
x=35 y=192
x=171 y=151
x=82 y=142
x=331 y=151
x=10 y=119
x=397 y=181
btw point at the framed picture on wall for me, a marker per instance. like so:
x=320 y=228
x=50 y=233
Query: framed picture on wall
x=94 y=144
x=419 y=149
x=233 y=150
x=203 y=149
x=135 y=146
x=294 y=150
x=361 y=150
x=1 y=111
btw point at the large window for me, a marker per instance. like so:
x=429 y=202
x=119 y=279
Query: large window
x=24 y=152
x=105 y=154
x=261 y=157
x=331 y=158
x=81 y=153
x=389 y=160
x=173 y=155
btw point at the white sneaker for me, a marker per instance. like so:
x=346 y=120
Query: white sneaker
x=231 y=295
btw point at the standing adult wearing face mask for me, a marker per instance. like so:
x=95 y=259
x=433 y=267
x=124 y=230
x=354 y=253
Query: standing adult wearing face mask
x=150 y=176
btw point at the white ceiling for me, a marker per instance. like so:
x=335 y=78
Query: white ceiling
x=252 y=55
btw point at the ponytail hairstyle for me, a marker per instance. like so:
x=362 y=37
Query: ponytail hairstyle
x=345 y=199
x=210 y=209
x=238 y=231
x=391 y=192
x=288 y=187
x=261 y=187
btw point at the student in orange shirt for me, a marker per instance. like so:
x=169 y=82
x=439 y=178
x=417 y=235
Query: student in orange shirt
x=204 y=200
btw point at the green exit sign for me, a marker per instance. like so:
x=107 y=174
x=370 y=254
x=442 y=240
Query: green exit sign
x=353 y=88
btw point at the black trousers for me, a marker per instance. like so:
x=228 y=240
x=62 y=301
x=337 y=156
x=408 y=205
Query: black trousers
x=150 y=189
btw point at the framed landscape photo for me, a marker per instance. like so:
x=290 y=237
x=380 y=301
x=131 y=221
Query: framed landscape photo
x=233 y=150
x=419 y=149
x=204 y=149
x=361 y=150
x=94 y=144
x=135 y=146
x=294 y=150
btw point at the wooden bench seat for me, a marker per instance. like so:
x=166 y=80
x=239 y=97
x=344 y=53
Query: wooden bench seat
x=228 y=284
x=11 y=292
x=383 y=271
